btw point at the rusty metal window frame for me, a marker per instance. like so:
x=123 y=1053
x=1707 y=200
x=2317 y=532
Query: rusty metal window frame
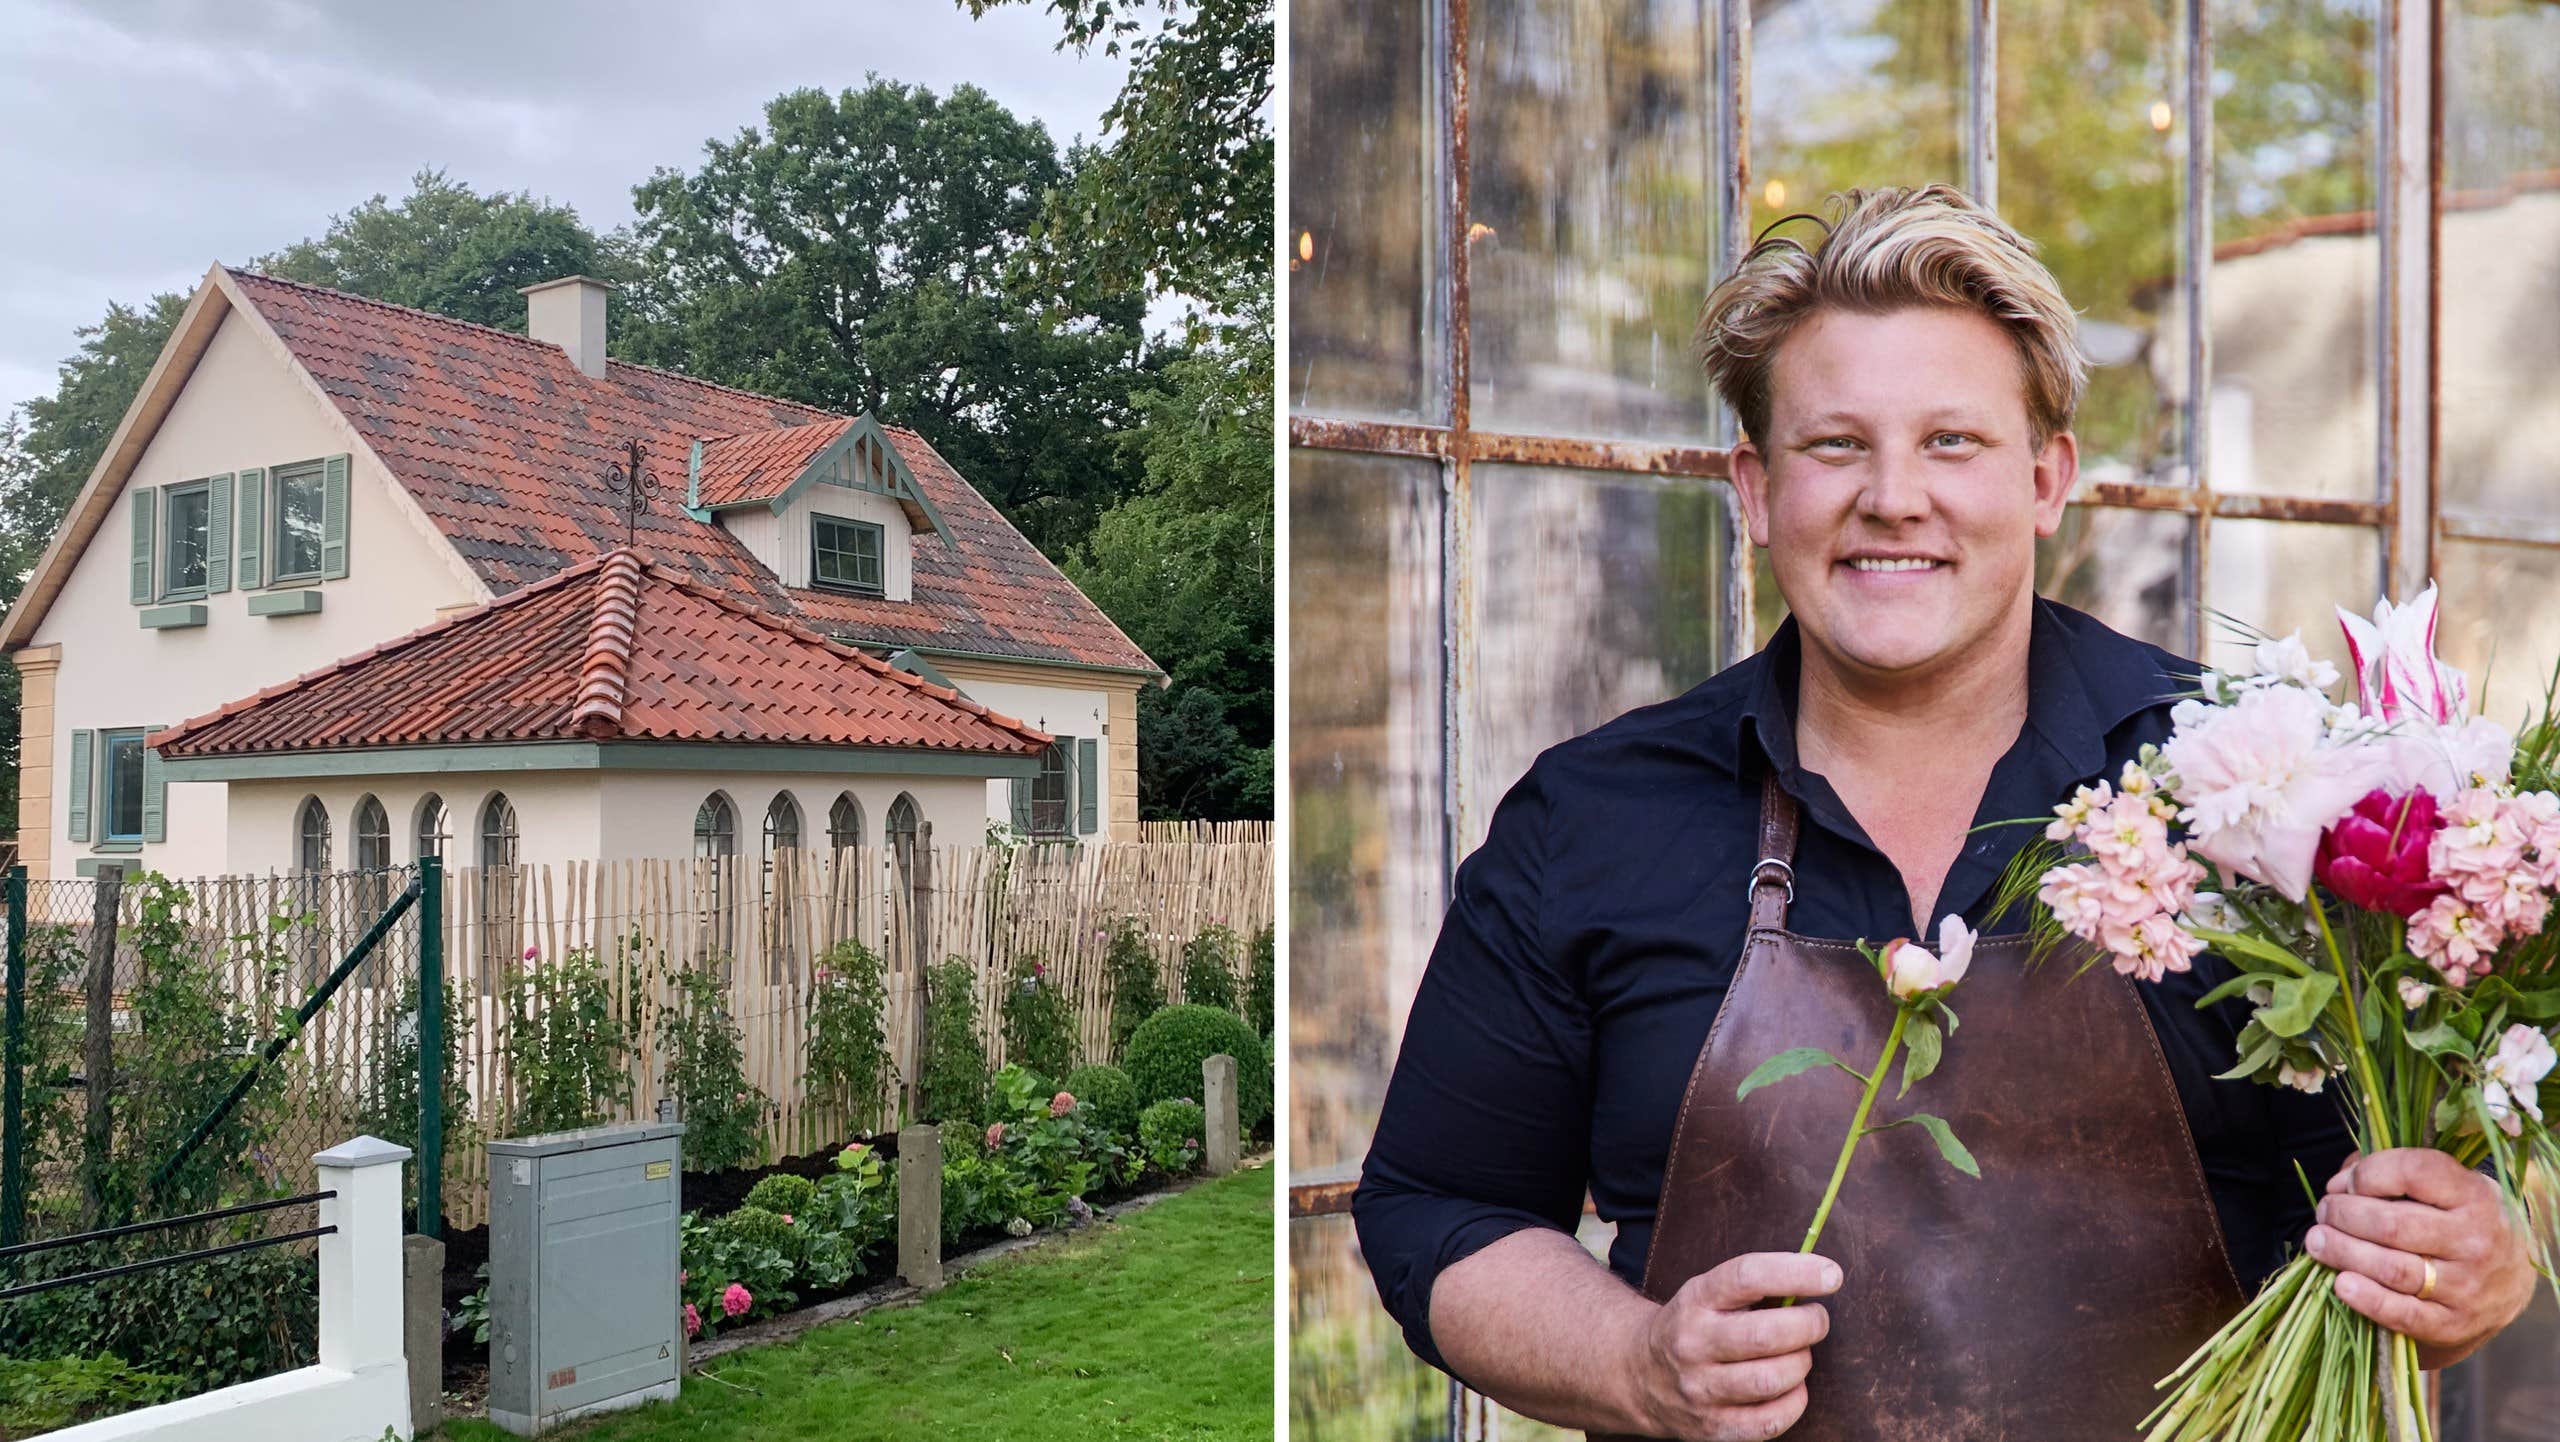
x=2403 y=513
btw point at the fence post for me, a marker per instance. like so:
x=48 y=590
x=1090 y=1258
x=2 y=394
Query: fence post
x=920 y=1207
x=361 y=1288
x=431 y=1046
x=98 y=1050
x=13 y=1027
x=1218 y=1089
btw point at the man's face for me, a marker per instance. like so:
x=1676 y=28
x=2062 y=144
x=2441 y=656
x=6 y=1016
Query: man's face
x=1896 y=490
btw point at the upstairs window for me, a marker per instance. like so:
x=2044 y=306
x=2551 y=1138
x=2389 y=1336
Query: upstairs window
x=190 y=540
x=301 y=497
x=845 y=555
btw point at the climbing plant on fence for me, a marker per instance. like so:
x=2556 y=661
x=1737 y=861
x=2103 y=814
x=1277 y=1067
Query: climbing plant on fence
x=568 y=1046
x=953 y=1080
x=1137 y=986
x=1209 y=967
x=1039 y=1021
x=848 y=1060
x=706 y=1068
x=390 y=1109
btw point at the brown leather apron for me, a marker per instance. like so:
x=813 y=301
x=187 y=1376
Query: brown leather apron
x=2040 y=1302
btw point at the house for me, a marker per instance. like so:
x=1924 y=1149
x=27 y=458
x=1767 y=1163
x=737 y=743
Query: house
x=353 y=541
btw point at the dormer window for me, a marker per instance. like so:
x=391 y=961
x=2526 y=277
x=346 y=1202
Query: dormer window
x=845 y=555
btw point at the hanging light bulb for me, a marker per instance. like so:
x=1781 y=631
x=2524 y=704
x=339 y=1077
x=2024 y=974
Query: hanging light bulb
x=2160 y=115
x=1774 y=193
x=1306 y=245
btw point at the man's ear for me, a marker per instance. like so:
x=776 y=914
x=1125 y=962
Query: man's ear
x=1751 y=489
x=2057 y=471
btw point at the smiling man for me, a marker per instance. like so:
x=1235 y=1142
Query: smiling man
x=1664 y=902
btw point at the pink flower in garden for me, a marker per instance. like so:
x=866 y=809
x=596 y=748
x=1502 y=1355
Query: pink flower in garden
x=2458 y=940
x=786 y=1219
x=1061 y=1104
x=684 y=1276
x=856 y=1149
x=735 y=1301
x=531 y=952
x=995 y=1135
x=2376 y=856
x=692 y=1321
x=1039 y=968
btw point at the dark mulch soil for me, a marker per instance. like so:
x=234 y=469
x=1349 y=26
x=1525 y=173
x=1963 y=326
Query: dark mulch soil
x=466 y=1362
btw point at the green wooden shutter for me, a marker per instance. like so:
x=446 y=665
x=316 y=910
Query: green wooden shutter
x=217 y=535
x=1088 y=785
x=333 y=519
x=155 y=794
x=1022 y=803
x=81 y=743
x=146 y=510
x=253 y=529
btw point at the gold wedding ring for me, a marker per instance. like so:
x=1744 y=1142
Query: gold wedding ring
x=2427 y=1288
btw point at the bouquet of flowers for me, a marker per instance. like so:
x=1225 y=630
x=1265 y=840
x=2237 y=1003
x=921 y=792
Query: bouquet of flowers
x=2380 y=872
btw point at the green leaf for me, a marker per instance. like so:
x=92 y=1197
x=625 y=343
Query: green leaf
x=2440 y=1039
x=1792 y=1062
x=1944 y=1135
x=2536 y=1005
x=1921 y=1036
x=2297 y=1003
x=2229 y=989
x=2253 y=1057
x=2229 y=942
x=2369 y=1010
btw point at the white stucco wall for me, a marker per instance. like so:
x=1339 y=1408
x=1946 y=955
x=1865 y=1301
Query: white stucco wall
x=584 y=815
x=782 y=542
x=650 y=813
x=1058 y=710
x=557 y=817
x=245 y=405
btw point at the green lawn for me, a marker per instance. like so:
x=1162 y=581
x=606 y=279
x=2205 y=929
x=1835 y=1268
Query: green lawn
x=1157 y=1326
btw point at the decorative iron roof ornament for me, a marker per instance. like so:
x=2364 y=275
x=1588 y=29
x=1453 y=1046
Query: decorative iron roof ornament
x=635 y=485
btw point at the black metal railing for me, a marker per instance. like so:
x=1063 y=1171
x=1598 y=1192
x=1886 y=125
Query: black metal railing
x=9 y=1255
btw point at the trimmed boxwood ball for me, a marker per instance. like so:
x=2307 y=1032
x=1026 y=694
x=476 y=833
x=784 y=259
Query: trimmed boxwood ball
x=1109 y=1095
x=1166 y=1052
x=783 y=1194
x=759 y=1227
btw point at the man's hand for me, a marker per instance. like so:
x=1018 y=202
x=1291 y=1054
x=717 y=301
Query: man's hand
x=1714 y=1370
x=2389 y=1215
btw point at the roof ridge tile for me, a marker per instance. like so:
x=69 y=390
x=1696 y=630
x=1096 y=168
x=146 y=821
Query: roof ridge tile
x=605 y=674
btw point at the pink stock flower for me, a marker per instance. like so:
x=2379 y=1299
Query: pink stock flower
x=2376 y=856
x=2154 y=947
x=735 y=1301
x=2397 y=674
x=995 y=1135
x=692 y=1321
x=2536 y=816
x=1061 y=1104
x=2456 y=939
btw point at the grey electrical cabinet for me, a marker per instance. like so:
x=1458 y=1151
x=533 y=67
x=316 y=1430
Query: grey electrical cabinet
x=584 y=1310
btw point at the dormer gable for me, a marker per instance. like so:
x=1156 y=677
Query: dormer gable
x=776 y=468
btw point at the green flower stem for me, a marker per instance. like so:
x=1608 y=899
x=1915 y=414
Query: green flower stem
x=1857 y=1129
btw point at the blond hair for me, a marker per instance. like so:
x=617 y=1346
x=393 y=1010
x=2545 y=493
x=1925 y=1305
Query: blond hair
x=1885 y=250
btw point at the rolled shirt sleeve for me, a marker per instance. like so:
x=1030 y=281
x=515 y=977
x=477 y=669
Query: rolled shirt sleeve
x=1485 y=1127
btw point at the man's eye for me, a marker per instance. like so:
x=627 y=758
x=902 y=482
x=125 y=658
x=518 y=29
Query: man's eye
x=1835 y=441
x=1958 y=437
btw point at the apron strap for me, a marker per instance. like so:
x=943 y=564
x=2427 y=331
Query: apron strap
x=1773 y=877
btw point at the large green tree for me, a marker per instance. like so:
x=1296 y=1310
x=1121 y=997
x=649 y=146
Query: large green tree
x=447 y=248
x=875 y=250
x=1186 y=565
x=1183 y=192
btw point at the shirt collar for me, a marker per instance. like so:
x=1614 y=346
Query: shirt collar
x=2084 y=680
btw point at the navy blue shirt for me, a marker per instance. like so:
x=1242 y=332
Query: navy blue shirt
x=1590 y=939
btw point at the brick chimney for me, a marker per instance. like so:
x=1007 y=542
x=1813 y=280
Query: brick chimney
x=569 y=313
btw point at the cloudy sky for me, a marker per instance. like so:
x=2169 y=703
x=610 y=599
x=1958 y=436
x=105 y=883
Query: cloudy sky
x=149 y=138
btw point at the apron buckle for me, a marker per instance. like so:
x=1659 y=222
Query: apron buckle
x=1786 y=876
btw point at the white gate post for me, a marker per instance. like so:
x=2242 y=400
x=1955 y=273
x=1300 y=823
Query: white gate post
x=360 y=1273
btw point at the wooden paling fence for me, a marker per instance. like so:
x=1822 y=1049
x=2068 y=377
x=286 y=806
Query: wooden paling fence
x=771 y=922
x=766 y=924
x=1220 y=832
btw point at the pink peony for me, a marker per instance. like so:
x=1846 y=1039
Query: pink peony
x=2376 y=856
x=1061 y=1104
x=735 y=1301
x=995 y=1135
x=692 y=1321
x=2260 y=783
x=2458 y=940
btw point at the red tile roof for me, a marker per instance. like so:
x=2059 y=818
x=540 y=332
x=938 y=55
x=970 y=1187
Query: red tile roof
x=615 y=648
x=759 y=464
x=504 y=442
